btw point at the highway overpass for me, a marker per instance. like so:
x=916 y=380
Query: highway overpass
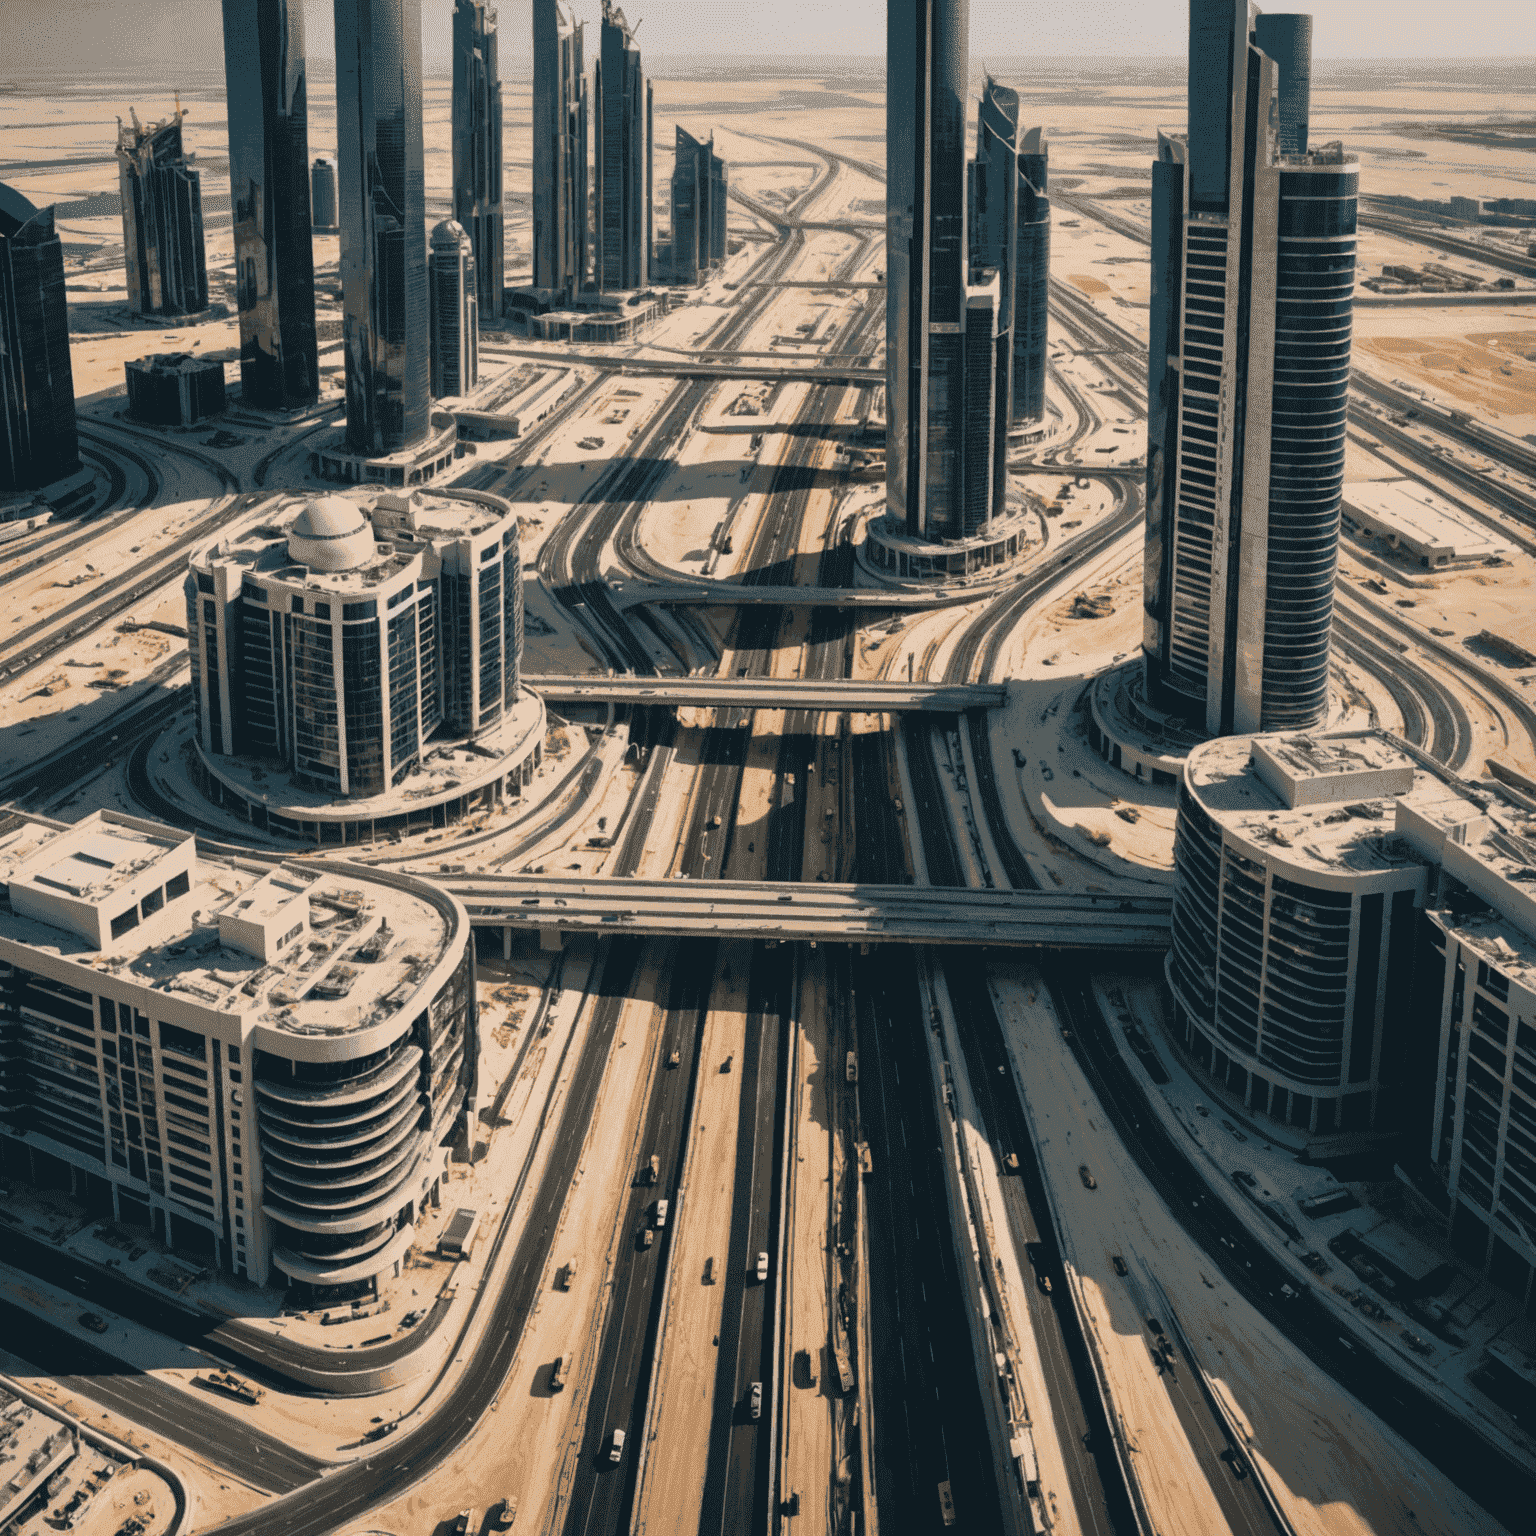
x=875 y=696
x=706 y=593
x=819 y=372
x=849 y=914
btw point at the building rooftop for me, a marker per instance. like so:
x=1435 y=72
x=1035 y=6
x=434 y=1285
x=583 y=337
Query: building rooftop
x=349 y=542
x=1341 y=814
x=1409 y=513
x=363 y=948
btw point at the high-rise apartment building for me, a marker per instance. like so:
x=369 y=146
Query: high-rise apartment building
x=455 y=321
x=559 y=152
x=38 y=443
x=385 y=327
x=700 y=187
x=162 y=218
x=477 y=147
x=267 y=92
x=263 y=1068
x=931 y=443
x=623 y=159
x=1032 y=274
x=339 y=647
x=1253 y=256
x=322 y=194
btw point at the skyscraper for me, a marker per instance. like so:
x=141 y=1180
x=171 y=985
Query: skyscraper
x=264 y=74
x=1031 y=279
x=623 y=155
x=994 y=245
x=1253 y=256
x=322 y=193
x=455 y=321
x=385 y=329
x=162 y=219
x=477 y=146
x=931 y=471
x=699 y=180
x=37 y=388
x=559 y=151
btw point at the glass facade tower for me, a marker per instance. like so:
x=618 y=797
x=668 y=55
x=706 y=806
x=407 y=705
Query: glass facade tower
x=162 y=219
x=1253 y=254
x=264 y=74
x=37 y=389
x=1031 y=278
x=926 y=265
x=477 y=146
x=699 y=188
x=383 y=224
x=623 y=150
x=559 y=151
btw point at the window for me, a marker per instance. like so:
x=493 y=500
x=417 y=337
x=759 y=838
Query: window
x=234 y=1053
x=204 y=581
x=177 y=885
x=366 y=610
x=152 y=903
x=108 y=1016
x=183 y=1041
x=322 y=610
x=124 y=921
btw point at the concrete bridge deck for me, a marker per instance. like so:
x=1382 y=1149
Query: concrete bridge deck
x=846 y=914
x=876 y=696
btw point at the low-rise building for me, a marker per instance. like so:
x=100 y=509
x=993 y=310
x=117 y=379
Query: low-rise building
x=174 y=389
x=262 y=1065
x=1411 y=518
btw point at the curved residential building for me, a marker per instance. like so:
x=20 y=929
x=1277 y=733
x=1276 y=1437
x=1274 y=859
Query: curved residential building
x=455 y=311
x=1253 y=254
x=1300 y=871
x=261 y=1066
x=342 y=639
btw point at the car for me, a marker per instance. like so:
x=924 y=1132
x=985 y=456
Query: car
x=93 y=1321
x=661 y=1213
x=760 y=1269
x=709 y=1270
x=645 y=1237
x=1089 y=1182
x=461 y=1525
x=1011 y=1162
x=1202 y=1111
x=725 y=1066
x=1044 y=1282
x=616 y=1446
x=673 y=1058
x=412 y=1317
x=755 y=1400
x=712 y=823
x=786 y=898
x=1119 y=1263
x=805 y=1361
x=557 y=1375
x=566 y=1274
x=652 y=1170
x=503 y=1513
x=530 y=901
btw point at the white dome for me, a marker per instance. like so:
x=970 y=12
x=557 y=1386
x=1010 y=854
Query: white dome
x=449 y=233
x=331 y=534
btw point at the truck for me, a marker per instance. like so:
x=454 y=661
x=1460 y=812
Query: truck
x=661 y=1213
x=458 y=1239
x=652 y=1170
x=853 y=1066
x=227 y=1384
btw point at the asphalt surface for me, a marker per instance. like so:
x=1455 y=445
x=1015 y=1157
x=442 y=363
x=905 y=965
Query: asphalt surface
x=930 y=1424
x=602 y=1492
x=181 y=1417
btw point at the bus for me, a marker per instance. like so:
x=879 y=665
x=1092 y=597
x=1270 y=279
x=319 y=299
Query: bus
x=946 y=1504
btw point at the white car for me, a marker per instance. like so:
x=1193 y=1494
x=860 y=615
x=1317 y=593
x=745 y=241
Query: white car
x=616 y=1448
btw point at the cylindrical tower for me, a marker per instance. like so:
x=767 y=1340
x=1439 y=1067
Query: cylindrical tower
x=382 y=197
x=455 y=321
x=1287 y=39
x=1314 y=299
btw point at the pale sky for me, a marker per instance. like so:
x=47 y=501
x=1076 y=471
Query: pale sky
x=84 y=34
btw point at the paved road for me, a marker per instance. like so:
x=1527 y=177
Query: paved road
x=211 y=1432
x=930 y=1425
